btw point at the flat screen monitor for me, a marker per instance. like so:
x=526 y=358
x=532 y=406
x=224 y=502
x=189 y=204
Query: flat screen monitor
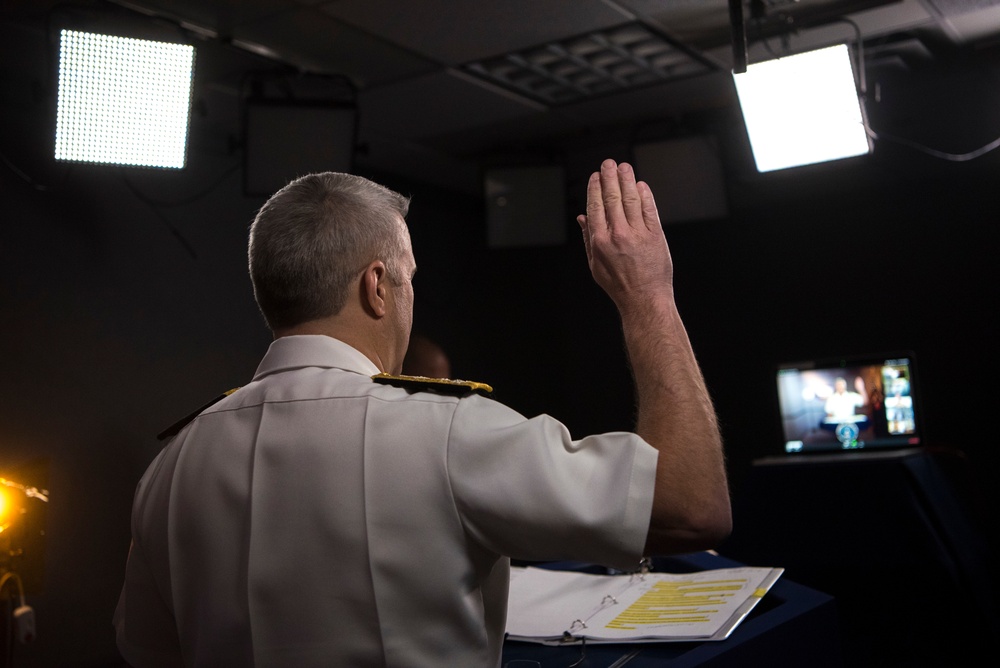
x=851 y=403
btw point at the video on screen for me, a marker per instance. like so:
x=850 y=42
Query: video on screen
x=848 y=407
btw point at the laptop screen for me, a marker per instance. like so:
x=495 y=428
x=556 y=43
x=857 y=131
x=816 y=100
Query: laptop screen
x=849 y=403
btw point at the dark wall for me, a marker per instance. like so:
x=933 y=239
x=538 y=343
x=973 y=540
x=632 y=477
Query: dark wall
x=113 y=326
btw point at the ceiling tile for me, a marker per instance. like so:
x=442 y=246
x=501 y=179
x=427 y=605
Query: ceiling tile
x=598 y=63
x=589 y=120
x=709 y=91
x=453 y=33
x=317 y=42
x=969 y=20
x=219 y=15
x=434 y=104
x=693 y=21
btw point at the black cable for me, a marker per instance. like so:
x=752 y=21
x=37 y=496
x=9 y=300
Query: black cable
x=151 y=203
x=180 y=202
x=863 y=91
x=156 y=205
x=954 y=157
x=163 y=219
x=30 y=181
x=583 y=653
x=862 y=81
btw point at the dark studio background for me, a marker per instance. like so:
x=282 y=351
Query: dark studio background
x=125 y=301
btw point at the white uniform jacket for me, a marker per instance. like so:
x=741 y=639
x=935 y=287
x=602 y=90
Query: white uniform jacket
x=316 y=518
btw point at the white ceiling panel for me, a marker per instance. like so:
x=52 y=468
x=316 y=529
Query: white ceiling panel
x=317 y=42
x=435 y=104
x=219 y=15
x=453 y=32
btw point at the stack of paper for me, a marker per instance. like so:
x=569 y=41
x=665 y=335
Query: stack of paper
x=560 y=607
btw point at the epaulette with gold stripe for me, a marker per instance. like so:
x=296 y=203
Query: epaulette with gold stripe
x=458 y=388
x=173 y=429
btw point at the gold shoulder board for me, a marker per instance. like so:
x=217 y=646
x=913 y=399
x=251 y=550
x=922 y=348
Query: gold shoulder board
x=457 y=388
x=173 y=429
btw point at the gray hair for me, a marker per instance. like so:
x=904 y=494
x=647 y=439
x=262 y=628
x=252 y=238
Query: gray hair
x=312 y=238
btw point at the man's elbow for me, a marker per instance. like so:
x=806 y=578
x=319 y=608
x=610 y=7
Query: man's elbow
x=705 y=529
x=713 y=526
x=719 y=527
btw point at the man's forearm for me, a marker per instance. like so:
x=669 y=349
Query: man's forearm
x=691 y=509
x=629 y=257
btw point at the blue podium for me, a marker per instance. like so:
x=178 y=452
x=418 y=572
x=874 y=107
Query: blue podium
x=792 y=626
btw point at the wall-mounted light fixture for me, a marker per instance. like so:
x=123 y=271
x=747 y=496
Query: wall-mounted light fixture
x=123 y=101
x=803 y=109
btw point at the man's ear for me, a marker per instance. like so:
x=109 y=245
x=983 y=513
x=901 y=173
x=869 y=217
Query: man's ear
x=373 y=282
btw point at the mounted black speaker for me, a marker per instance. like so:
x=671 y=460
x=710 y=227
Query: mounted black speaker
x=525 y=206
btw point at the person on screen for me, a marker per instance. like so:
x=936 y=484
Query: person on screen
x=332 y=513
x=900 y=407
x=843 y=404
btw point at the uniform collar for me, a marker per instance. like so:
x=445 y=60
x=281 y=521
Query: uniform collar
x=312 y=350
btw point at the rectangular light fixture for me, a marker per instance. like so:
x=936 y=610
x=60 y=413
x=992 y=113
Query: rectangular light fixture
x=802 y=109
x=123 y=101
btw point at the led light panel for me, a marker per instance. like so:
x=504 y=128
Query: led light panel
x=123 y=101
x=802 y=109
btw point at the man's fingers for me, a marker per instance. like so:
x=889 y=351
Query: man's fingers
x=615 y=198
x=631 y=202
x=585 y=228
x=649 y=213
x=595 y=218
x=611 y=194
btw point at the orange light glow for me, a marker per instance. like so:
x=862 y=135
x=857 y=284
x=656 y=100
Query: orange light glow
x=5 y=508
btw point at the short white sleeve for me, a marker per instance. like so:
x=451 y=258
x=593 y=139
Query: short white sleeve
x=526 y=489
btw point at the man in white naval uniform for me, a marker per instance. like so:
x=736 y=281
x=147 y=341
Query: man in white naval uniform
x=324 y=515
